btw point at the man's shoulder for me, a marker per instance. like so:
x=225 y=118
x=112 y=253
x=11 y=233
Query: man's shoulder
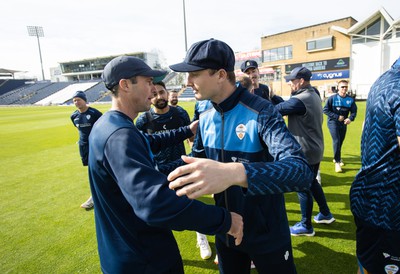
x=255 y=102
x=348 y=97
x=92 y=109
x=263 y=87
x=177 y=109
x=143 y=116
x=75 y=114
x=179 y=112
x=180 y=108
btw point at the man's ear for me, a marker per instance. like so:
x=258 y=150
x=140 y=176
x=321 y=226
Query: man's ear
x=222 y=74
x=123 y=84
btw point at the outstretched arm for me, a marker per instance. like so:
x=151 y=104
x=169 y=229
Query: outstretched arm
x=204 y=176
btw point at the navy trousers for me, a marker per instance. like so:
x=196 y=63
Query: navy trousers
x=306 y=199
x=338 y=133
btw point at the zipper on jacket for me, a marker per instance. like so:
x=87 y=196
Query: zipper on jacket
x=223 y=160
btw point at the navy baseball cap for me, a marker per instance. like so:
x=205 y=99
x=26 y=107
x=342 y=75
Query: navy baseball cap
x=80 y=94
x=248 y=64
x=298 y=73
x=207 y=54
x=125 y=67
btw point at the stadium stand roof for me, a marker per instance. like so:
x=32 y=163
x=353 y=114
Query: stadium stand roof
x=8 y=72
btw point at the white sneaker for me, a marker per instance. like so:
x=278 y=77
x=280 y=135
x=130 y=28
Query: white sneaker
x=341 y=162
x=202 y=243
x=319 y=177
x=338 y=168
x=88 y=204
x=216 y=259
x=252 y=265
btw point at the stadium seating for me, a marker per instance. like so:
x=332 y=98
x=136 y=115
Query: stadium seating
x=7 y=85
x=28 y=92
x=65 y=94
x=25 y=91
x=42 y=93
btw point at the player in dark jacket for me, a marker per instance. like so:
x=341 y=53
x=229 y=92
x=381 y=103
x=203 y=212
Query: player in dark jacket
x=240 y=134
x=163 y=118
x=83 y=119
x=250 y=67
x=341 y=110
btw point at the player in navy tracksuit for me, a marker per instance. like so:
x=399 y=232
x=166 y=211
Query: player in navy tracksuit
x=341 y=110
x=163 y=118
x=135 y=210
x=83 y=119
x=240 y=134
x=250 y=67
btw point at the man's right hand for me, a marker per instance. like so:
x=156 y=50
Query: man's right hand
x=236 y=230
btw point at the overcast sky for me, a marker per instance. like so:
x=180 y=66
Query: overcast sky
x=82 y=29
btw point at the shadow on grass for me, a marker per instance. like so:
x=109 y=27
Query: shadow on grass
x=320 y=259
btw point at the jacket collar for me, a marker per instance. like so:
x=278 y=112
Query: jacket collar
x=230 y=102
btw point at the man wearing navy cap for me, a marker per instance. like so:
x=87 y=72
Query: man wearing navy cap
x=83 y=119
x=135 y=210
x=305 y=118
x=250 y=67
x=240 y=133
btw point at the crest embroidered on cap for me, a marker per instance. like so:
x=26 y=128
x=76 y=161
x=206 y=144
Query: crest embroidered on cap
x=247 y=63
x=240 y=131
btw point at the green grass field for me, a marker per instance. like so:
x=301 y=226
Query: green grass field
x=43 y=229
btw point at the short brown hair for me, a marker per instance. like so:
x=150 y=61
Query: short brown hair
x=231 y=75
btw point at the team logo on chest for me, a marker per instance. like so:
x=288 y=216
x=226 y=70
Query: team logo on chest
x=240 y=131
x=88 y=116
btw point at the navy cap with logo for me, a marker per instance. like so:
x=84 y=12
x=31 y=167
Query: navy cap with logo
x=248 y=64
x=125 y=67
x=207 y=54
x=298 y=73
x=80 y=94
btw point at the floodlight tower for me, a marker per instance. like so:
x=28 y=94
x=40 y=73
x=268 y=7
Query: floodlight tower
x=184 y=24
x=38 y=32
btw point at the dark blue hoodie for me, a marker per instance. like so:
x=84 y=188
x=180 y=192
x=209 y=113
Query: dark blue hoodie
x=135 y=210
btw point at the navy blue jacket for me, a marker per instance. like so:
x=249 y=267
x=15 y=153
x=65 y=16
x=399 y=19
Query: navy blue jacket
x=84 y=123
x=248 y=129
x=135 y=210
x=340 y=106
x=262 y=91
x=152 y=122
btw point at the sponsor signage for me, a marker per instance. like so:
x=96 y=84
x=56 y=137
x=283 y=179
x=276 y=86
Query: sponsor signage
x=241 y=56
x=329 y=75
x=332 y=64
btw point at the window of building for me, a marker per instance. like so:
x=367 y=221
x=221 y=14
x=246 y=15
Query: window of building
x=282 y=53
x=359 y=39
x=372 y=32
x=385 y=28
x=320 y=44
